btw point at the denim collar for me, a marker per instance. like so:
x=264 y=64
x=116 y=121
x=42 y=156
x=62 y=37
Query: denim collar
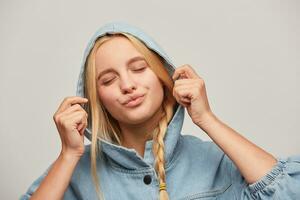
x=123 y=156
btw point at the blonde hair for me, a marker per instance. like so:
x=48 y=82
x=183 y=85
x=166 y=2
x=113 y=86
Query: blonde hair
x=104 y=126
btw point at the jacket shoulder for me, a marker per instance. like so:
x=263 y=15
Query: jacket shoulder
x=204 y=153
x=192 y=142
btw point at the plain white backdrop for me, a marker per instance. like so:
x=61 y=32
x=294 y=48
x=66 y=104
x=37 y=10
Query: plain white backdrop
x=247 y=52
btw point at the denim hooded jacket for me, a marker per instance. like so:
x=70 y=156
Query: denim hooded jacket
x=195 y=169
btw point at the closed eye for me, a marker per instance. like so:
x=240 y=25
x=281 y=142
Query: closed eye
x=107 y=82
x=140 y=69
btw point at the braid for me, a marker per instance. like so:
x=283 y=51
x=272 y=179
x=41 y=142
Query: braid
x=158 y=149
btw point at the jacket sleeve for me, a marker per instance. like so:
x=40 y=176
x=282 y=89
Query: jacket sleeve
x=69 y=193
x=282 y=182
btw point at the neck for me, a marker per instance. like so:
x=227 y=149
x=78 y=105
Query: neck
x=136 y=135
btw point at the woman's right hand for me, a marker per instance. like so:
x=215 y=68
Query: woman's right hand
x=71 y=121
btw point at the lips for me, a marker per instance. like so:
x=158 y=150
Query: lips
x=133 y=98
x=134 y=101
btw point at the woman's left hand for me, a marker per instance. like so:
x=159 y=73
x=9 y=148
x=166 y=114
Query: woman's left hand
x=189 y=91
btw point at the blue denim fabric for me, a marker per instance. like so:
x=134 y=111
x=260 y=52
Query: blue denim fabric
x=195 y=169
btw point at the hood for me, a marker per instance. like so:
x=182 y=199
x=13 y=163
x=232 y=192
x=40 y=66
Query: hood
x=126 y=157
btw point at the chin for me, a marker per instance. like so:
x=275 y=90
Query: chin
x=138 y=116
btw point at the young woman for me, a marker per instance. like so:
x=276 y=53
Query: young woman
x=130 y=104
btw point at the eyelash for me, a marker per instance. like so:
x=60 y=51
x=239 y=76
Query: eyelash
x=140 y=69
x=136 y=70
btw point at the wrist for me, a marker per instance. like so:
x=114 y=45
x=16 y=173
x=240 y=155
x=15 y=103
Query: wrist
x=69 y=157
x=208 y=118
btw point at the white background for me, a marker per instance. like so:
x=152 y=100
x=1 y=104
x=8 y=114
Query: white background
x=246 y=51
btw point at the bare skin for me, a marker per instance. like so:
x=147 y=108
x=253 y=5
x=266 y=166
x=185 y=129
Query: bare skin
x=136 y=139
x=251 y=160
x=128 y=79
x=190 y=92
x=70 y=120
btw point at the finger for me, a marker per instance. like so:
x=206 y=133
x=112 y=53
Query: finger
x=73 y=108
x=184 y=94
x=81 y=129
x=75 y=118
x=69 y=101
x=185 y=71
x=185 y=91
x=184 y=101
x=83 y=122
x=191 y=85
x=180 y=82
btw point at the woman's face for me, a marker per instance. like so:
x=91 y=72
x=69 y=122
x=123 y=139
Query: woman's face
x=123 y=75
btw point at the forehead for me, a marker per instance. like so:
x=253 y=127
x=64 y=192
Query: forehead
x=115 y=52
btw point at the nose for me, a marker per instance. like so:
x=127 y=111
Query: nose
x=127 y=85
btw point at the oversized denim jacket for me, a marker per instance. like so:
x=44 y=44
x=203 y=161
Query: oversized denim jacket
x=195 y=169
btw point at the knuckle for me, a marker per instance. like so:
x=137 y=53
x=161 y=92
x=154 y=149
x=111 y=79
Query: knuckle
x=77 y=106
x=62 y=120
x=200 y=82
x=187 y=65
x=83 y=113
x=55 y=117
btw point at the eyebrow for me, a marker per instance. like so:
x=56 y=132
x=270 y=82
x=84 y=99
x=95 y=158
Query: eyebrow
x=131 y=60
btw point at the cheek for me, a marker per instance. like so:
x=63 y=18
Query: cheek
x=156 y=88
x=154 y=82
x=107 y=97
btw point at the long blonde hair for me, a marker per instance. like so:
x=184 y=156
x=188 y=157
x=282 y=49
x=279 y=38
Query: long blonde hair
x=104 y=126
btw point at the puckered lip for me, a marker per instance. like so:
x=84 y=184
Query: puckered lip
x=132 y=97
